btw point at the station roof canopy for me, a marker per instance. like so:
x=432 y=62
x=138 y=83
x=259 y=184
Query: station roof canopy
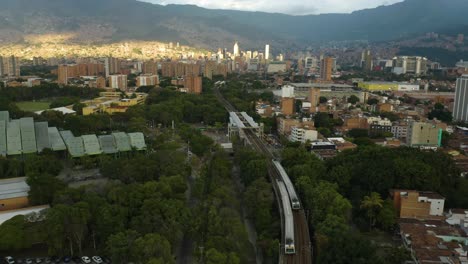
x=108 y=144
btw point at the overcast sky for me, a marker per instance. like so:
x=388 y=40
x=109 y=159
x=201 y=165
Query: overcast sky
x=293 y=7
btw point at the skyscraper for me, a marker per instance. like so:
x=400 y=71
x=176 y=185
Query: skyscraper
x=326 y=66
x=367 y=60
x=267 y=52
x=460 y=106
x=236 y=49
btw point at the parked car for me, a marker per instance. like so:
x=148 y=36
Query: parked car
x=29 y=261
x=39 y=260
x=10 y=260
x=66 y=259
x=86 y=259
x=97 y=259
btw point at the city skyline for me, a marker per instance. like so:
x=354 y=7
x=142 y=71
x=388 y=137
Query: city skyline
x=294 y=7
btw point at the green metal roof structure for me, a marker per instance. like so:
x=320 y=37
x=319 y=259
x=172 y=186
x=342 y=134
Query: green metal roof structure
x=55 y=140
x=28 y=135
x=5 y=116
x=13 y=138
x=91 y=145
x=108 y=145
x=137 y=140
x=42 y=136
x=24 y=136
x=123 y=141
x=74 y=144
x=3 y=138
x=66 y=135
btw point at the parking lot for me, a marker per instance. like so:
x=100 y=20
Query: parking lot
x=56 y=260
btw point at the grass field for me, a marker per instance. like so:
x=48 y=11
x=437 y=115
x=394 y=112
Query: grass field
x=33 y=106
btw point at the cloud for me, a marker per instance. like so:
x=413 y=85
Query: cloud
x=293 y=7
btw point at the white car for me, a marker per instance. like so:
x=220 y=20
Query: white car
x=97 y=259
x=10 y=260
x=29 y=261
x=86 y=260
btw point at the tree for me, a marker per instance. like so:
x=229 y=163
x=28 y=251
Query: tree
x=152 y=247
x=323 y=99
x=358 y=133
x=353 y=99
x=42 y=188
x=322 y=120
x=386 y=218
x=373 y=101
x=119 y=246
x=78 y=107
x=372 y=205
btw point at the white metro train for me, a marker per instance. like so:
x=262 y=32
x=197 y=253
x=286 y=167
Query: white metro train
x=289 y=247
x=296 y=204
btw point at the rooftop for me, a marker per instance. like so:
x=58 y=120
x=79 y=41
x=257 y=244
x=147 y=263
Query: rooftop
x=13 y=188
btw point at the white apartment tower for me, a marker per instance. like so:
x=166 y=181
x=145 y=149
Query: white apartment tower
x=236 y=49
x=460 y=106
x=267 y=52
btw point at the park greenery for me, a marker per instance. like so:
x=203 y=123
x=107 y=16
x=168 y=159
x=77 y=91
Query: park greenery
x=151 y=203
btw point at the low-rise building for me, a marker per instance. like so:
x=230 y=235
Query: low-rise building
x=421 y=134
x=416 y=204
x=433 y=241
x=303 y=133
x=13 y=194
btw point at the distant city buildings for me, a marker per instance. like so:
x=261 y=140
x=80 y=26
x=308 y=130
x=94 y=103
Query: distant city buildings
x=267 y=52
x=460 y=106
x=410 y=65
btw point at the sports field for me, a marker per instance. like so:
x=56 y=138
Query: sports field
x=33 y=106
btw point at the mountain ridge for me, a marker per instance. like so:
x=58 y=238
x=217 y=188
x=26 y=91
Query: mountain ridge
x=116 y=20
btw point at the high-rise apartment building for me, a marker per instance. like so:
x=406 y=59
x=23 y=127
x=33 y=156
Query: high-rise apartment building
x=460 y=106
x=367 y=62
x=147 y=80
x=112 y=66
x=9 y=66
x=326 y=67
x=118 y=81
x=66 y=72
x=193 y=84
x=314 y=99
x=150 y=67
